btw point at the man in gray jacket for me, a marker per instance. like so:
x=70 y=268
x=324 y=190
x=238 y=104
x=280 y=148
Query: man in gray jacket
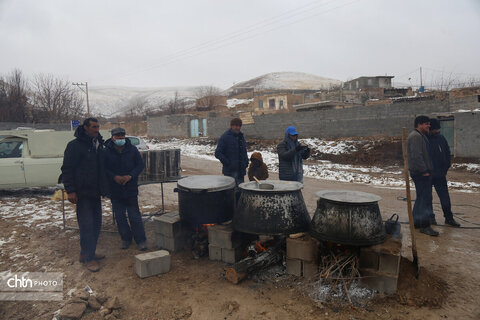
x=421 y=169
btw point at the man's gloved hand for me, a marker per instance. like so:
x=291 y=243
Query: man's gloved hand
x=299 y=147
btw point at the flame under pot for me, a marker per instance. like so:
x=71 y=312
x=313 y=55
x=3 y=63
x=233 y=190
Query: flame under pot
x=348 y=217
x=276 y=211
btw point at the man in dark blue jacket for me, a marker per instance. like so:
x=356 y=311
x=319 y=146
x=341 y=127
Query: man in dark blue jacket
x=232 y=152
x=441 y=163
x=123 y=164
x=84 y=180
x=290 y=155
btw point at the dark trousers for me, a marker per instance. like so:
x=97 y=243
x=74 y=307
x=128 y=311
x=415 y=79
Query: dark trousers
x=238 y=179
x=440 y=184
x=422 y=209
x=89 y=217
x=120 y=207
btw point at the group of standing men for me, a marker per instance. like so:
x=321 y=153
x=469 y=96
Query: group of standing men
x=232 y=153
x=428 y=163
x=93 y=168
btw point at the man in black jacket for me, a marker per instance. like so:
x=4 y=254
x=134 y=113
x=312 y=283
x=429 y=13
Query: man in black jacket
x=290 y=155
x=84 y=180
x=123 y=164
x=232 y=152
x=441 y=163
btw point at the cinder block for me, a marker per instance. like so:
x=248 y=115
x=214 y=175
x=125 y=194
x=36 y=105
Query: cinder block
x=231 y=255
x=368 y=259
x=380 y=281
x=152 y=263
x=309 y=269
x=223 y=236
x=169 y=224
x=389 y=264
x=214 y=253
x=391 y=246
x=294 y=266
x=305 y=249
x=172 y=244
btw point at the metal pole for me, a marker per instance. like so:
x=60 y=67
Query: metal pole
x=88 y=105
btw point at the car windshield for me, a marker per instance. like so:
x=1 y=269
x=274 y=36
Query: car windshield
x=134 y=141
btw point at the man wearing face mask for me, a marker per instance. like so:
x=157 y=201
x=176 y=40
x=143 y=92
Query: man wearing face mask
x=123 y=164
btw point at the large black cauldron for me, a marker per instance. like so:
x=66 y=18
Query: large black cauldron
x=348 y=217
x=278 y=211
x=206 y=199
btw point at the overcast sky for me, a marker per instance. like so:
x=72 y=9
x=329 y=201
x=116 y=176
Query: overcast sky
x=219 y=42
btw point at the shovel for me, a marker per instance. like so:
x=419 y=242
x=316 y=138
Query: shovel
x=263 y=185
x=409 y=202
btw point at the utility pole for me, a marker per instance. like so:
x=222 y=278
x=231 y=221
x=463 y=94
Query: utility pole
x=80 y=85
x=421 y=82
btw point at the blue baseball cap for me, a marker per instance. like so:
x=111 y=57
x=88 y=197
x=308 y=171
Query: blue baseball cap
x=292 y=131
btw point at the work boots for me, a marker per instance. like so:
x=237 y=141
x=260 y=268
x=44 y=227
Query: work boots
x=429 y=231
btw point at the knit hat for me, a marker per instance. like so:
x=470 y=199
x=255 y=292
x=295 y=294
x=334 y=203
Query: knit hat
x=434 y=124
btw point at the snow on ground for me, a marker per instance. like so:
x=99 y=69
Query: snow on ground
x=321 y=169
x=470 y=167
x=232 y=103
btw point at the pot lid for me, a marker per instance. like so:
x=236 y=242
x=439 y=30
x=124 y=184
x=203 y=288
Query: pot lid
x=208 y=183
x=347 y=196
x=278 y=186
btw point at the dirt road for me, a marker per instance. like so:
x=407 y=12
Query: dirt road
x=196 y=289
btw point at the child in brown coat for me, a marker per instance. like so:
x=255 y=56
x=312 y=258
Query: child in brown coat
x=257 y=168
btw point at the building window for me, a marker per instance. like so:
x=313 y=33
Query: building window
x=478 y=97
x=370 y=82
x=356 y=84
x=271 y=103
x=260 y=104
x=281 y=104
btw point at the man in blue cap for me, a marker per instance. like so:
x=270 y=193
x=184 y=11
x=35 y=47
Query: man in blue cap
x=290 y=155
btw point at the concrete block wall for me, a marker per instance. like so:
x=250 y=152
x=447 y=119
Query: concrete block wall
x=169 y=126
x=386 y=120
x=467 y=131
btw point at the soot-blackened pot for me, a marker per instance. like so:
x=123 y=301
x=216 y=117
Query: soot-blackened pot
x=276 y=211
x=348 y=217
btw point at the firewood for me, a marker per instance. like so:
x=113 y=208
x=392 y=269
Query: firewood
x=238 y=271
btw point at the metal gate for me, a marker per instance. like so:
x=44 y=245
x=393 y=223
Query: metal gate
x=447 y=129
x=194 y=128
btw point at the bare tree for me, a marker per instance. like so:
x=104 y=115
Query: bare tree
x=176 y=104
x=14 y=97
x=207 y=97
x=55 y=100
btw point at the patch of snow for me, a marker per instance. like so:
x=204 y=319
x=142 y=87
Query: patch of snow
x=232 y=103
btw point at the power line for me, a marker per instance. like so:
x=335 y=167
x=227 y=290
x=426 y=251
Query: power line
x=227 y=39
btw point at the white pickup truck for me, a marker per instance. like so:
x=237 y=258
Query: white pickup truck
x=32 y=158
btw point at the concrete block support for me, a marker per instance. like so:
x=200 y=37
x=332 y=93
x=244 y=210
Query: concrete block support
x=231 y=255
x=214 y=253
x=304 y=248
x=172 y=244
x=294 y=266
x=169 y=224
x=380 y=265
x=223 y=236
x=152 y=263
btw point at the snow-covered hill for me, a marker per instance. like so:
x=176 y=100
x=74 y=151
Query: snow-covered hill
x=112 y=101
x=287 y=80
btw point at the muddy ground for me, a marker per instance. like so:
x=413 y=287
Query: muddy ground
x=448 y=286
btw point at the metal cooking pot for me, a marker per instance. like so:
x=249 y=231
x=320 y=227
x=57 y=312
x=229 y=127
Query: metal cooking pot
x=276 y=211
x=206 y=199
x=348 y=217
